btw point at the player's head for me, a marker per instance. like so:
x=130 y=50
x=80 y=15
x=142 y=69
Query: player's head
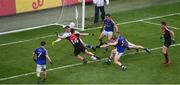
x=72 y=30
x=107 y=16
x=163 y=23
x=67 y=28
x=43 y=43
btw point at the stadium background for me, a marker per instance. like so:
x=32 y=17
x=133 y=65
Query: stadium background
x=23 y=17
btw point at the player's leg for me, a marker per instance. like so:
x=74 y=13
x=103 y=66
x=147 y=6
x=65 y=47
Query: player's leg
x=117 y=60
x=77 y=52
x=44 y=73
x=100 y=39
x=142 y=47
x=38 y=73
x=167 y=43
x=82 y=59
x=165 y=53
x=93 y=56
x=88 y=45
x=102 y=12
x=137 y=47
x=109 y=59
x=96 y=14
x=110 y=36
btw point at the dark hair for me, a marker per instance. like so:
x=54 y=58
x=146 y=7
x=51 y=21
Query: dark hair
x=109 y=15
x=66 y=27
x=163 y=23
x=72 y=30
x=43 y=43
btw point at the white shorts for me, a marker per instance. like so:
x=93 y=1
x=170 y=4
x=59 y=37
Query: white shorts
x=131 y=45
x=118 y=54
x=107 y=33
x=39 y=68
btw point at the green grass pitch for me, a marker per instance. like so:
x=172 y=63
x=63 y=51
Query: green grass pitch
x=16 y=58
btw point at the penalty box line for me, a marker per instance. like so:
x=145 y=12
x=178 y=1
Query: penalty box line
x=124 y=23
x=78 y=64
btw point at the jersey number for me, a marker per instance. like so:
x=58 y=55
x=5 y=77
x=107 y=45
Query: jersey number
x=75 y=41
x=39 y=54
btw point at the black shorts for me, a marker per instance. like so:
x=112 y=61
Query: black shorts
x=167 y=43
x=79 y=49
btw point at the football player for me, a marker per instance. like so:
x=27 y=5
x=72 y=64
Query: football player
x=40 y=55
x=169 y=38
x=74 y=38
x=109 y=26
x=116 y=54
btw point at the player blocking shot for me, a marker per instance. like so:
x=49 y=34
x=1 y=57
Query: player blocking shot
x=131 y=45
x=169 y=38
x=107 y=29
x=79 y=47
x=40 y=55
x=120 y=46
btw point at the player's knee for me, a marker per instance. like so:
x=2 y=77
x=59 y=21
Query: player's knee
x=38 y=74
x=109 y=38
x=87 y=52
x=164 y=51
x=44 y=70
x=116 y=61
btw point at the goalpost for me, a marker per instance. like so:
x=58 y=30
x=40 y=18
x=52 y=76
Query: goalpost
x=71 y=12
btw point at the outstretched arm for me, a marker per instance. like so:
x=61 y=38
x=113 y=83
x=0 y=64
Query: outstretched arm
x=60 y=38
x=109 y=44
x=114 y=43
x=47 y=57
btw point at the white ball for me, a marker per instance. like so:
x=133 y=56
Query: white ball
x=72 y=25
x=93 y=58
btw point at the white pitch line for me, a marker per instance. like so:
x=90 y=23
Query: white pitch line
x=78 y=64
x=157 y=17
x=25 y=40
x=160 y=24
x=134 y=21
x=10 y=43
x=25 y=29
